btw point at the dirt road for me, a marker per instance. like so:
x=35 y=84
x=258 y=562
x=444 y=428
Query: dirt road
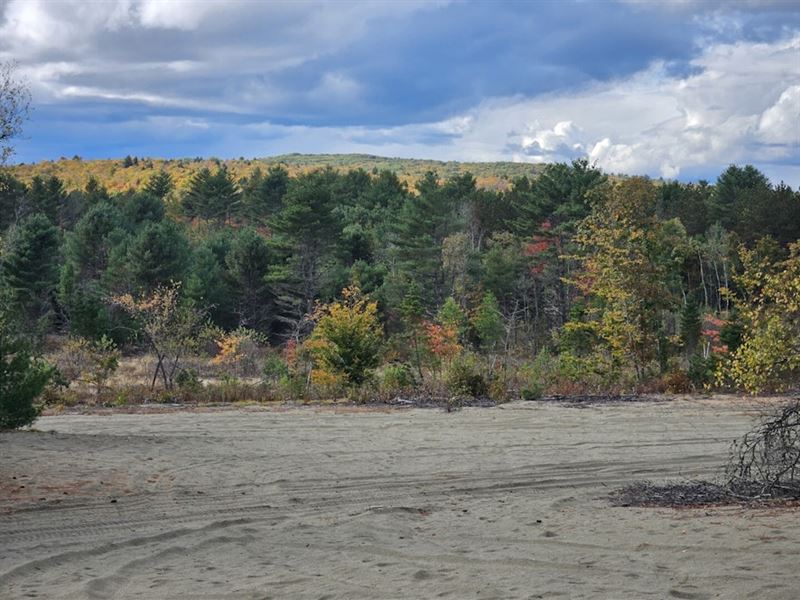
x=508 y=502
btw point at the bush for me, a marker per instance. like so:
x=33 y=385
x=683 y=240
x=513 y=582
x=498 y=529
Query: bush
x=187 y=379
x=463 y=377
x=676 y=382
x=274 y=368
x=397 y=376
x=535 y=377
x=239 y=352
x=22 y=379
x=347 y=337
x=702 y=370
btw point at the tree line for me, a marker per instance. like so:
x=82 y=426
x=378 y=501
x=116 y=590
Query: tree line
x=614 y=279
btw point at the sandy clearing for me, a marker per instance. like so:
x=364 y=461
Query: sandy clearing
x=507 y=502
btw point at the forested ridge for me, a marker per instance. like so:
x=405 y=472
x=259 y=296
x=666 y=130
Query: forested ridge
x=346 y=282
x=132 y=172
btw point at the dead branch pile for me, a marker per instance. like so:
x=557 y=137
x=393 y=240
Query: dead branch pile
x=765 y=463
x=764 y=466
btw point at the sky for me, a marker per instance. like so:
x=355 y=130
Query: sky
x=676 y=89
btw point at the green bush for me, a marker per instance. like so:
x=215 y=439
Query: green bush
x=274 y=368
x=534 y=377
x=188 y=380
x=397 y=376
x=702 y=370
x=463 y=377
x=22 y=379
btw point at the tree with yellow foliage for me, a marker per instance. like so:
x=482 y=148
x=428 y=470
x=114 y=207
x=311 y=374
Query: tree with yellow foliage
x=347 y=336
x=625 y=271
x=769 y=356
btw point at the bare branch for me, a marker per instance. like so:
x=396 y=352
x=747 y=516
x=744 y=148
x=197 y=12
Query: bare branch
x=15 y=99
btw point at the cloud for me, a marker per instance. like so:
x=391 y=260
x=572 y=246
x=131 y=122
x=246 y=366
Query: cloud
x=740 y=103
x=212 y=53
x=677 y=89
x=780 y=123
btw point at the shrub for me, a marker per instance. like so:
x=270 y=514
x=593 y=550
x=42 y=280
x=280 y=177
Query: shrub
x=103 y=361
x=239 y=352
x=397 y=376
x=676 y=382
x=534 y=377
x=22 y=379
x=274 y=368
x=187 y=379
x=347 y=337
x=463 y=377
x=701 y=370
x=442 y=341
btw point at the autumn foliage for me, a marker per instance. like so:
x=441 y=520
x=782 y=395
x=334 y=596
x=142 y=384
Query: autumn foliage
x=347 y=337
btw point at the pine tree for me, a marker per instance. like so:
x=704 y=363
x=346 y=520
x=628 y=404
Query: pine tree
x=140 y=208
x=305 y=230
x=419 y=231
x=157 y=256
x=208 y=286
x=193 y=203
x=47 y=196
x=263 y=195
x=159 y=185
x=211 y=196
x=23 y=378
x=691 y=325
x=248 y=264
x=30 y=269
x=488 y=322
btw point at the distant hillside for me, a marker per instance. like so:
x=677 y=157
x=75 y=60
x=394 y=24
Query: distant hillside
x=116 y=177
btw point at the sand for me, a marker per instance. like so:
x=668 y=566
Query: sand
x=506 y=502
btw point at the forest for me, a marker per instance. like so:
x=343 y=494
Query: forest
x=346 y=283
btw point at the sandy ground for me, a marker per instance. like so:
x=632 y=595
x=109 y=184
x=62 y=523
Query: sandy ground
x=507 y=502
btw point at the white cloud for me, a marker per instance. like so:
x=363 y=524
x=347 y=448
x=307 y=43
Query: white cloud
x=741 y=103
x=176 y=14
x=133 y=48
x=780 y=123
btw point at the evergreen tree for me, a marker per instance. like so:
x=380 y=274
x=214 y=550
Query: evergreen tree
x=263 y=195
x=691 y=325
x=451 y=315
x=736 y=196
x=195 y=199
x=94 y=193
x=305 y=229
x=47 y=196
x=208 y=286
x=30 y=269
x=158 y=255
x=23 y=378
x=488 y=322
x=140 y=208
x=89 y=266
x=248 y=264
x=418 y=232
x=212 y=196
x=159 y=185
